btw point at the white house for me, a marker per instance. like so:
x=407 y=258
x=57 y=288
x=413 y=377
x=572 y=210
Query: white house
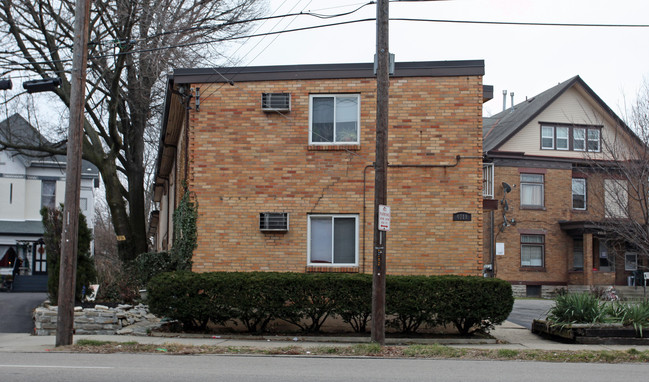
x=28 y=182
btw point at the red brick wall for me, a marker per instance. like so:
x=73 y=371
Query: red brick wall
x=244 y=162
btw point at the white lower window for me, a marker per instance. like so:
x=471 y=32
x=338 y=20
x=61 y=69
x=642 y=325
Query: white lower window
x=333 y=240
x=532 y=250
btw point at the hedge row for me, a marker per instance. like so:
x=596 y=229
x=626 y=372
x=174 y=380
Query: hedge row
x=308 y=300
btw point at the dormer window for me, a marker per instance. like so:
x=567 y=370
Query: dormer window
x=570 y=138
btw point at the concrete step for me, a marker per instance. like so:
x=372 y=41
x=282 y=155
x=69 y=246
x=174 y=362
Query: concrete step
x=35 y=283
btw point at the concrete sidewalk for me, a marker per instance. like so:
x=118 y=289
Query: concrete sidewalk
x=508 y=336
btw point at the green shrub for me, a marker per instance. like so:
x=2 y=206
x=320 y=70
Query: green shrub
x=254 y=298
x=191 y=298
x=353 y=297
x=572 y=308
x=308 y=300
x=412 y=301
x=473 y=303
x=631 y=314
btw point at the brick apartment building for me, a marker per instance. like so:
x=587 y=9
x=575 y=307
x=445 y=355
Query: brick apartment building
x=550 y=230
x=279 y=159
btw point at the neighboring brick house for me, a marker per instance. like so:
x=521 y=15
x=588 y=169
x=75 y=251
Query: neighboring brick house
x=550 y=230
x=280 y=164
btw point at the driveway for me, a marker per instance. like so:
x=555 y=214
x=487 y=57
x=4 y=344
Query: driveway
x=16 y=311
x=525 y=311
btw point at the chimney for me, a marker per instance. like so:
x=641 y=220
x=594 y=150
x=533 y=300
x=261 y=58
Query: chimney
x=512 y=95
x=504 y=100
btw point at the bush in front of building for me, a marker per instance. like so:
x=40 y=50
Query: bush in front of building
x=411 y=301
x=308 y=300
x=472 y=303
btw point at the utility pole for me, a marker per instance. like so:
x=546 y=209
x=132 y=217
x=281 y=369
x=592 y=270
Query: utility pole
x=69 y=236
x=380 y=170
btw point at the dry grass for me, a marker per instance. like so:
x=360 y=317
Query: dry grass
x=371 y=350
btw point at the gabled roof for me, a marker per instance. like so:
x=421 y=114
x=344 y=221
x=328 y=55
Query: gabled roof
x=17 y=130
x=499 y=128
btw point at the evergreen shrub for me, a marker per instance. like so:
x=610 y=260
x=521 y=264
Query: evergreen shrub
x=255 y=299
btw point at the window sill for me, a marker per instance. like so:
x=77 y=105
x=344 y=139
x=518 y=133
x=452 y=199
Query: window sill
x=538 y=208
x=333 y=147
x=532 y=269
x=331 y=269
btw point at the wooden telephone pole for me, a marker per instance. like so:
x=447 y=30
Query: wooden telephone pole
x=380 y=170
x=69 y=236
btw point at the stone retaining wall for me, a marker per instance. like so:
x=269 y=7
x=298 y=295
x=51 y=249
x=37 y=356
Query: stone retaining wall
x=124 y=319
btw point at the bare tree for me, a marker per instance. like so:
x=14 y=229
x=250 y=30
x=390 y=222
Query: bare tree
x=620 y=182
x=133 y=44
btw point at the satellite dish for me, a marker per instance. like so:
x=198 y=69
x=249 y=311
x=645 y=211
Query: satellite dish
x=507 y=188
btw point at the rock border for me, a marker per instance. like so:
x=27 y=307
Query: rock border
x=100 y=320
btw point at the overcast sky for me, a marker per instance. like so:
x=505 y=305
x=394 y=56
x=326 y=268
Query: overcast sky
x=523 y=59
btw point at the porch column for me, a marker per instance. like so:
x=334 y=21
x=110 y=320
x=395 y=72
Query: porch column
x=588 y=258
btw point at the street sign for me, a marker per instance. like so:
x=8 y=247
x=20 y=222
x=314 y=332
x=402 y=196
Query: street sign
x=384 y=218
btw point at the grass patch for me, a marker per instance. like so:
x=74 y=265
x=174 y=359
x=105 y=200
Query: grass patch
x=85 y=342
x=372 y=350
x=507 y=353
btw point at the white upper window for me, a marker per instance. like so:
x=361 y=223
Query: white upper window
x=593 y=140
x=48 y=193
x=333 y=240
x=579 y=139
x=532 y=190
x=578 y=193
x=563 y=138
x=547 y=137
x=334 y=119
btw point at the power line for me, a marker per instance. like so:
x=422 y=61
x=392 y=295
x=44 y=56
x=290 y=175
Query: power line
x=448 y=21
x=523 y=23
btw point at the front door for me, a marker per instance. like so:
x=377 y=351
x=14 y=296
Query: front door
x=40 y=259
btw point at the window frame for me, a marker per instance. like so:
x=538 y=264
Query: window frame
x=599 y=140
x=567 y=138
x=525 y=184
x=333 y=217
x=52 y=196
x=488 y=180
x=570 y=137
x=545 y=137
x=574 y=139
x=540 y=244
x=585 y=185
x=335 y=97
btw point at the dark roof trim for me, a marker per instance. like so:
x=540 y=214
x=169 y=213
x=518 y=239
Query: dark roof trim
x=326 y=71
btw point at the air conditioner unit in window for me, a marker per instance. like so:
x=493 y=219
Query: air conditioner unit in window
x=276 y=102
x=273 y=221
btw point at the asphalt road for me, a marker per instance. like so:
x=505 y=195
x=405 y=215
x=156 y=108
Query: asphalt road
x=16 y=311
x=67 y=367
x=525 y=311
